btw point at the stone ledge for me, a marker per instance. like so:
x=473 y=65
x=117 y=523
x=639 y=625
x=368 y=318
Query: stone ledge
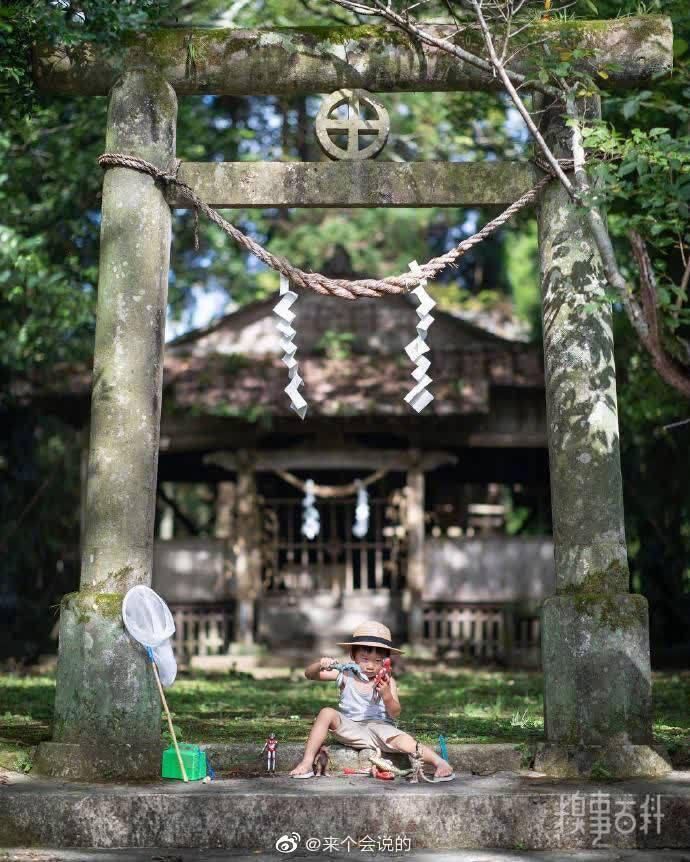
x=78 y=762
x=58 y=759
x=498 y=811
x=476 y=759
x=95 y=854
x=614 y=761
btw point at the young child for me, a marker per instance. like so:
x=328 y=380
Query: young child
x=366 y=714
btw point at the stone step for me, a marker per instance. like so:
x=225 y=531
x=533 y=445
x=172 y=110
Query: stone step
x=94 y=854
x=506 y=811
x=480 y=759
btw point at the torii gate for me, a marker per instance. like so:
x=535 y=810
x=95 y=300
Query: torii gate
x=597 y=679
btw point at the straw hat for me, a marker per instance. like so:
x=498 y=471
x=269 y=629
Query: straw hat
x=371 y=633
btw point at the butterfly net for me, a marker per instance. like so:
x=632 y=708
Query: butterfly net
x=148 y=620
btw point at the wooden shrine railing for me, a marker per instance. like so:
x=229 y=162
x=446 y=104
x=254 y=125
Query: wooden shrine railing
x=202 y=629
x=469 y=632
x=335 y=560
x=484 y=631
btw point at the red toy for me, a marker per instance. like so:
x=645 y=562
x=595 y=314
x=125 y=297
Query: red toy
x=384 y=674
x=270 y=747
x=384 y=775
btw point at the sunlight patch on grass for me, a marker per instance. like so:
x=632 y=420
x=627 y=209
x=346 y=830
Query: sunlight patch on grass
x=464 y=705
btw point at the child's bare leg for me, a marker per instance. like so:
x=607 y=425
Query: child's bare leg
x=407 y=744
x=327 y=719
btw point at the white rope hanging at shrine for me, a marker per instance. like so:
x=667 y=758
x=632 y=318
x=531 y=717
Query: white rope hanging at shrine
x=288 y=346
x=361 y=525
x=419 y=396
x=311 y=522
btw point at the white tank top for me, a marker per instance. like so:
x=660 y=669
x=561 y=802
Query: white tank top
x=361 y=706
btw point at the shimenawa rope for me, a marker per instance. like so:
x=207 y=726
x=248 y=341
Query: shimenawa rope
x=343 y=288
x=331 y=492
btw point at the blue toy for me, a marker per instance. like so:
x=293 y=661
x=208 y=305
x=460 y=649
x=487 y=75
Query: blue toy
x=442 y=746
x=341 y=667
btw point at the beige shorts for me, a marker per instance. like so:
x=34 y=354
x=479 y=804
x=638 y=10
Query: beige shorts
x=366 y=734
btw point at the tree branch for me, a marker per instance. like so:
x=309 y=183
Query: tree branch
x=383 y=11
x=519 y=104
x=665 y=365
x=643 y=319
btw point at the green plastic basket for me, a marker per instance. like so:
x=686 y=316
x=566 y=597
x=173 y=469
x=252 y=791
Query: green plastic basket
x=194 y=760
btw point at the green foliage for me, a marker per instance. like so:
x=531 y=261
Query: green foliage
x=24 y=23
x=49 y=184
x=522 y=267
x=336 y=345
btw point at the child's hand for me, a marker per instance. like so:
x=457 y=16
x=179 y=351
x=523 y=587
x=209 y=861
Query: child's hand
x=326 y=662
x=383 y=686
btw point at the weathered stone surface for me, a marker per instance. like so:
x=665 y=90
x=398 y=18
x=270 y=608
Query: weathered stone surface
x=618 y=759
x=597 y=678
x=106 y=699
x=498 y=811
x=477 y=759
x=117 y=548
x=106 y=694
x=84 y=762
x=581 y=409
x=355 y=184
x=345 y=855
x=595 y=636
x=323 y=59
x=355 y=126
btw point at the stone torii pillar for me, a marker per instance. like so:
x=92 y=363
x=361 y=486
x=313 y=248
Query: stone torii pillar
x=107 y=707
x=595 y=634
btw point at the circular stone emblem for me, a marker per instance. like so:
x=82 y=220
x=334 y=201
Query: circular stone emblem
x=352 y=124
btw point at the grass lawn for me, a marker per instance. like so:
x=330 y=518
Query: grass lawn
x=465 y=706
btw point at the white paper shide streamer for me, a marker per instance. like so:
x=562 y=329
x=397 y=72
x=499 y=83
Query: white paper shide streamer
x=311 y=522
x=288 y=346
x=361 y=525
x=419 y=396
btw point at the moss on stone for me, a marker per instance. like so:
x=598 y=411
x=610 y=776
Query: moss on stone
x=340 y=34
x=13 y=835
x=86 y=602
x=612 y=613
x=599 y=582
x=16 y=757
x=121 y=575
x=573 y=34
x=527 y=754
x=650 y=25
x=599 y=771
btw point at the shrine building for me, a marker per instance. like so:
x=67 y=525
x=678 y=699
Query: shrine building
x=451 y=485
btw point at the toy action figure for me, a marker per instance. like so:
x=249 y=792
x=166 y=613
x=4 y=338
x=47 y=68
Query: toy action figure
x=270 y=746
x=321 y=762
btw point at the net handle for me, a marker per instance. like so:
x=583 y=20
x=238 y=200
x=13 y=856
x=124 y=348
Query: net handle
x=149 y=652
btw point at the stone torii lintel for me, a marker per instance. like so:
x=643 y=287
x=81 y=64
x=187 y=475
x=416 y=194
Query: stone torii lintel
x=355 y=184
x=298 y=60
